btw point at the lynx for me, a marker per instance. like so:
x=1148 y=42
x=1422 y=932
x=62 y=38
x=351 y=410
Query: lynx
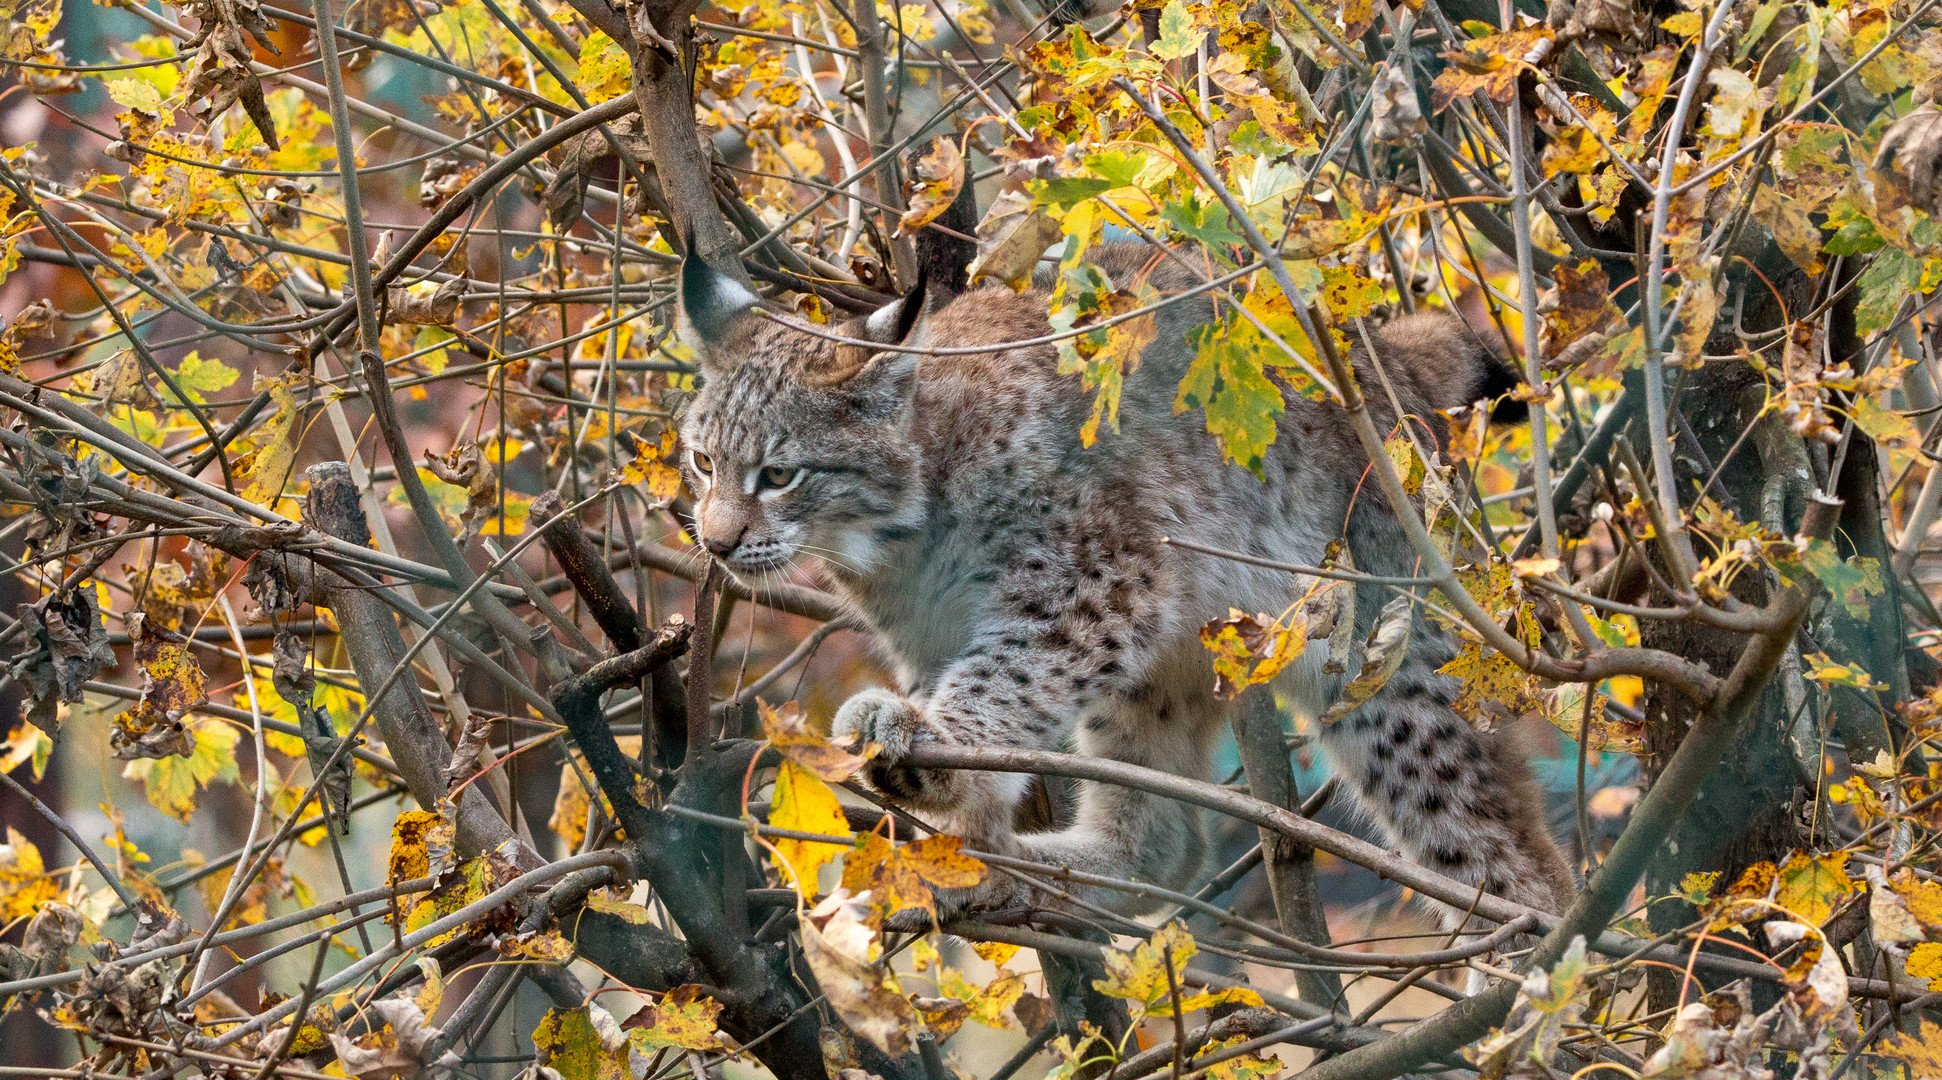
x=1020 y=586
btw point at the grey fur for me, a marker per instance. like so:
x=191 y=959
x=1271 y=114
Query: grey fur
x=1020 y=588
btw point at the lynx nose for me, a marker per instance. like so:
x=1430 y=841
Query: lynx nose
x=720 y=547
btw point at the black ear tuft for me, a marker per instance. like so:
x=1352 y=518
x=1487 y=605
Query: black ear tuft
x=1499 y=379
x=911 y=307
x=710 y=300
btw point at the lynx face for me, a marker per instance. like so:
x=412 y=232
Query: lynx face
x=795 y=444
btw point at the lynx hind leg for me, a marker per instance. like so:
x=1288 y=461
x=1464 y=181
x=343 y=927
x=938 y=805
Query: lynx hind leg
x=1124 y=833
x=1456 y=801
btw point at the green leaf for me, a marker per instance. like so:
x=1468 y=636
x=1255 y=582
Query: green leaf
x=1857 y=237
x=1178 y=36
x=567 y=1042
x=172 y=782
x=1851 y=581
x=1065 y=192
x=428 y=336
x=135 y=94
x=1117 y=166
x=198 y=377
x=1241 y=402
x=1207 y=224
x=1886 y=427
x=1889 y=279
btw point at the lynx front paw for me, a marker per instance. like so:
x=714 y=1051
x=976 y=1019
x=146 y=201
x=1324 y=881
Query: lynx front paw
x=894 y=724
x=881 y=717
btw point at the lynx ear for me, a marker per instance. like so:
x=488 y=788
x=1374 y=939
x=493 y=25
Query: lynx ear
x=892 y=323
x=887 y=327
x=879 y=380
x=712 y=305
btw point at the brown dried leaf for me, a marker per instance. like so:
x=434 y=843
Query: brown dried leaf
x=934 y=182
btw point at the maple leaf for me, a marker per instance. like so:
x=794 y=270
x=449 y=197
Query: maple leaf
x=961 y=1001
x=1493 y=687
x=1490 y=65
x=421 y=846
x=903 y=877
x=653 y=465
x=1140 y=976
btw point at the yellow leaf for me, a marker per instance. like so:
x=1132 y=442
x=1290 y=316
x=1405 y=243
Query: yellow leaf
x=27 y=743
x=1924 y=900
x=1140 y=976
x=1925 y=962
x=252 y=906
x=1252 y=649
x=600 y=900
x=1493 y=687
x=421 y=846
x=903 y=877
x=804 y=803
x=604 y=70
x=266 y=468
x=569 y=820
x=569 y=1043
x=1921 y=1051
x=1813 y=886
x=653 y=466
x=432 y=993
x=997 y=952
x=24 y=884
x=544 y=945
x=684 y=1017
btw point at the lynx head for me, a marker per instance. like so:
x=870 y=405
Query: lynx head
x=797 y=443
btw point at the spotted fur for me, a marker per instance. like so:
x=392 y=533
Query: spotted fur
x=1020 y=586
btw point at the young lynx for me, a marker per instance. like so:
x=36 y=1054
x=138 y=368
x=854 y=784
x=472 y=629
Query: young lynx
x=1019 y=583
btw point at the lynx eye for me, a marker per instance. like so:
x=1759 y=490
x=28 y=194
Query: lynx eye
x=776 y=477
x=704 y=464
